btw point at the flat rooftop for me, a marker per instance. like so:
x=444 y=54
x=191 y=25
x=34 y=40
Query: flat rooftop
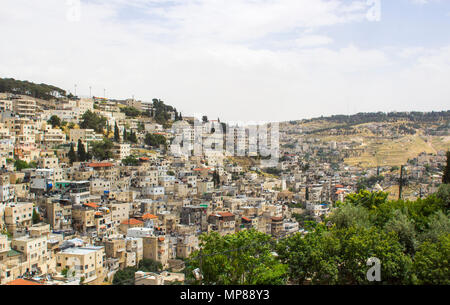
x=81 y=250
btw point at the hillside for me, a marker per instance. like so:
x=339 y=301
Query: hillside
x=41 y=91
x=385 y=139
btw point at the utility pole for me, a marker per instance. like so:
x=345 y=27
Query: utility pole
x=400 y=185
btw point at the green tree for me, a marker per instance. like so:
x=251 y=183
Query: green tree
x=54 y=121
x=141 y=127
x=443 y=193
x=216 y=178
x=116 y=133
x=339 y=256
x=130 y=111
x=438 y=225
x=72 y=155
x=65 y=271
x=148 y=265
x=20 y=164
x=367 y=199
x=431 y=262
x=314 y=257
x=36 y=217
x=133 y=137
x=90 y=120
x=102 y=150
x=205 y=119
x=124 y=277
x=357 y=245
x=154 y=140
x=125 y=135
x=349 y=215
x=405 y=229
x=130 y=161
x=81 y=152
x=243 y=258
x=446 y=176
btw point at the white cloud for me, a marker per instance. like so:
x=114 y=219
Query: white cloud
x=313 y=41
x=199 y=57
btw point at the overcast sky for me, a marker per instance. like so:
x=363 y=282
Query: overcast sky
x=239 y=60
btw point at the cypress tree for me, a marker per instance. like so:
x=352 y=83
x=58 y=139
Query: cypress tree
x=446 y=177
x=116 y=133
x=81 y=152
x=72 y=155
x=125 y=138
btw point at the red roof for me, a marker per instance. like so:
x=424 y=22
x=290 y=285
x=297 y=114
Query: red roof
x=144 y=158
x=225 y=214
x=103 y=164
x=161 y=238
x=339 y=185
x=91 y=204
x=246 y=218
x=22 y=282
x=132 y=221
x=149 y=216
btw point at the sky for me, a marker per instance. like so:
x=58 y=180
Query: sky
x=237 y=60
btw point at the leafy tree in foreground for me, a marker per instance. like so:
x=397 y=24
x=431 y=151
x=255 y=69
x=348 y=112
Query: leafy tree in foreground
x=313 y=257
x=431 y=264
x=349 y=215
x=438 y=225
x=405 y=229
x=444 y=194
x=253 y=264
x=339 y=256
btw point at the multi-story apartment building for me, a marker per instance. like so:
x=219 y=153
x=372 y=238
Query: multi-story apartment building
x=222 y=222
x=25 y=107
x=58 y=213
x=79 y=191
x=83 y=218
x=86 y=262
x=35 y=253
x=156 y=248
x=85 y=135
x=120 y=211
x=50 y=137
x=121 y=151
x=18 y=216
